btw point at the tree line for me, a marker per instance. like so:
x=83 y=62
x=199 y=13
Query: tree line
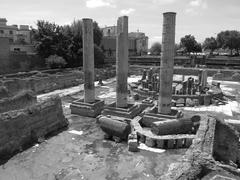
x=61 y=46
x=188 y=44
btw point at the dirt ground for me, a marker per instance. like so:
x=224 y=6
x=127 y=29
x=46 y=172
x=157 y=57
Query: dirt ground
x=86 y=155
x=80 y=152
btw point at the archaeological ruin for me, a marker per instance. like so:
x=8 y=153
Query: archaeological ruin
x=121 y=122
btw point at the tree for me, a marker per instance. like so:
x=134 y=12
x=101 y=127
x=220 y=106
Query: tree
x=189 y=43
x=156 y=49
x=197 y=48
x=210 y=43
x=49 y=38
x=229 y=39
x=64 y=41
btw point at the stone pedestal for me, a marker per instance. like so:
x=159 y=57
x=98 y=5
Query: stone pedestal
x=130 y=111
x=82 y=108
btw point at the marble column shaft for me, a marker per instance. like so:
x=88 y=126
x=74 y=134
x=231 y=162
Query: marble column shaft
x=88 y=60
x=167 y=61
x=122 y=62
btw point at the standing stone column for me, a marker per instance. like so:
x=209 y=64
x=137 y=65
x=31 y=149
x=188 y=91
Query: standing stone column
x=204 y=78
x=88 y=61
x=122 y=62
x=167 y=61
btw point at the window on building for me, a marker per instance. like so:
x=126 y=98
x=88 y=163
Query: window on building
x=1 y=31
x=10 y=32
x=17 y=49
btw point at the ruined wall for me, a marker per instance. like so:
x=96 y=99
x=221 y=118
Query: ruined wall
x=226 y=144
x=40 y=82
x=199 y=163
x=20 y=128
x=223 y=74
x=20 y=101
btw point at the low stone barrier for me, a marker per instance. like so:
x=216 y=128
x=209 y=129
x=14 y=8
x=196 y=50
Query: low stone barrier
x=20 y=101
x=19 y=128
x=43 y=82
x=215 y=142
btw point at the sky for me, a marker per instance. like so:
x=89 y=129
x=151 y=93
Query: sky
x=201 y=18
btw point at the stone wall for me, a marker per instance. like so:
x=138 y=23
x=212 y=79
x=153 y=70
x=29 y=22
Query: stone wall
x=223 y=74
x=20 y=101
x=214 y=139
x=40 y=82
x=19 y=128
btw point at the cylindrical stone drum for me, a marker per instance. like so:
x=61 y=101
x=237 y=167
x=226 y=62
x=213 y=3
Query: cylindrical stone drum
x=115 y=127
x=173 y=126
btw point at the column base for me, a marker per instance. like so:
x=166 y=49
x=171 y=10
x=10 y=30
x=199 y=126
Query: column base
x=152 y=116
x=130 y=111
x=81 y=108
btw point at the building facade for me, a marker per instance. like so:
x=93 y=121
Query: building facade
x=19 y=37
x=137 y=42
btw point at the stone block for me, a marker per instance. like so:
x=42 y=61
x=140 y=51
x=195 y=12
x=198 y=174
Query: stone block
x=188 y=142
x=142 y=138
x=170 y=143
x=115 y=126
x=150 y=142
x=179 y=143
x=129 y=112
x=160 y=143
x=133 y=145
x=81 y=108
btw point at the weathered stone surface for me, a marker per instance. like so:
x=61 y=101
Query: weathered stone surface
x=130 y=111
x=20 y=101
x=215 y=141
x=115 y=126
x=167 y=61
x=22 y=127
x=88 y=60
x=133 y=145
x=3 y=92
x=150 y=142
x=236 y=77
x=172 y=126
x=87 y=109
x=122 y=61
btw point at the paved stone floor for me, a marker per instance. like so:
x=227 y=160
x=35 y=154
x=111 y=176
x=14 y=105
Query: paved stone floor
x=81 y=153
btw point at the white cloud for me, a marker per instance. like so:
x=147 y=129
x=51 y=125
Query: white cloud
x=195 y=6
x=198 y=3
x=99 y=3
x=127 y=11
x=162 y=2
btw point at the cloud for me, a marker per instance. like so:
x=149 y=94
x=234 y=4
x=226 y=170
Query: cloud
x=195 y=6
x=198 y=3
x=127 y=11
x=162 y=2
x=99 y=3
